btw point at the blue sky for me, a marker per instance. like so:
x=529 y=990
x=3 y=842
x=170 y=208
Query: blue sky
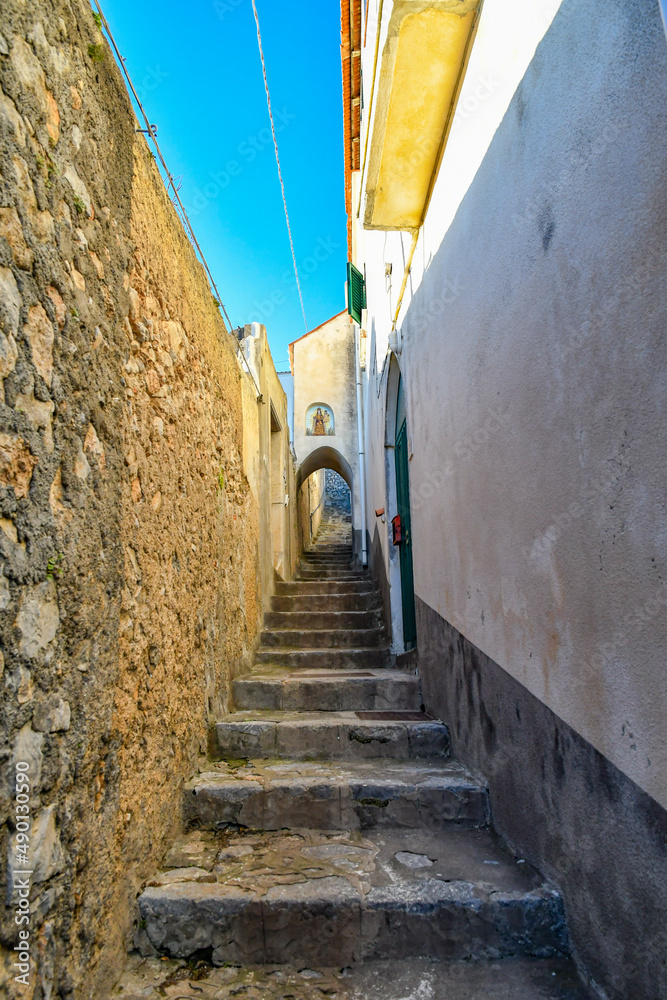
x=197 y=70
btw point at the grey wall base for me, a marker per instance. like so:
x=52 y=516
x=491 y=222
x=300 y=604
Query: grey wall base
x=564 y=806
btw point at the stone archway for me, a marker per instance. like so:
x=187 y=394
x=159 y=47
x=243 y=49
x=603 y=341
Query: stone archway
x=325 y=457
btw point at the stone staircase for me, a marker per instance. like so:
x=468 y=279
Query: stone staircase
x=334 y=848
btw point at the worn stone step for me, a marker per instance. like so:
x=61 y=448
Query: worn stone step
x=325 y=619
x=350 y=576
x=326 y=551
x=324 y=659
x=325 y=638
x=327 y=555
x=327 y=569
x=332 y=899
x=368 y=602
x=345 y=568
x=332 y=548
x=327 y=736
x=326 y=690
x=363 y=585
x=519 y=978
x=345 y=795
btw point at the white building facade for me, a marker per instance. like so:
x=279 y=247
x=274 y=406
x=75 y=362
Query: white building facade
x=508 y=214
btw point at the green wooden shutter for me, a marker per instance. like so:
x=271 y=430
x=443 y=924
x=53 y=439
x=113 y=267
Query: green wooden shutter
x=356 y=293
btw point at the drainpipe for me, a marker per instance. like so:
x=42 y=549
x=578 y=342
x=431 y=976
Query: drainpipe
x=362 y=454
x=663 y=8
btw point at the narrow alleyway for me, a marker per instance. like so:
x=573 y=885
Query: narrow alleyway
x=334 y=829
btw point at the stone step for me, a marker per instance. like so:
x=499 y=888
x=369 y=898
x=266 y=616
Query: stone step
x=327 y=691
x=327 y=555
x=324 y=619
x=322 y=559
x=331 y=574
x=354 y=795
x=364 y=585
x=418 y=978
x=329 y=552
x=332 y=899
x=324 y=659
x=366 y=602
x=344 y=567
x=324 y=638
x=328 y=736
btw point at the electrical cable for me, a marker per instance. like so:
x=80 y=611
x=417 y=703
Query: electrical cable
x=280 y=174
x=151 y=130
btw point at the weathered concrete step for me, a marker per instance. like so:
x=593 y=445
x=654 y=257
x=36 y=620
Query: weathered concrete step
x=418 y=978
x=343 y=551
x=327 y=736
x=329 y=568
x=327 y=556
x=346 y=795
x=333 y=899
x=326 y=570
x=364 y=585
x=329 y=619
x=325 y=638
x=368 y=602
x=324 y=659
x=326 y=691
x=330 y=576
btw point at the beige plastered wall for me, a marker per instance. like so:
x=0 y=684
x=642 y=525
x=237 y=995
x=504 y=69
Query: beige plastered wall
x=324 y=372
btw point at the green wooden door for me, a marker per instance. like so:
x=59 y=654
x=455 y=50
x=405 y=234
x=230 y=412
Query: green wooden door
x=405 y=548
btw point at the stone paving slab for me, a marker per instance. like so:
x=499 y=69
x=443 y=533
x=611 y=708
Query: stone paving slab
x=354 y=795
x=509 y=979
x=279 y=688
x=310 y=896
x=327 y=736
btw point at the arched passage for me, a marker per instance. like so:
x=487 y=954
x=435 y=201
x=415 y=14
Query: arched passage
x=325 y=458
x=321 y=459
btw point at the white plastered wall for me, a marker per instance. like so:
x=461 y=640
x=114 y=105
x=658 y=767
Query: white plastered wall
x=535 y=370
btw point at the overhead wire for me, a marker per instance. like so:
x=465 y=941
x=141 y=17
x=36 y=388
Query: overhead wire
x=175 y=198
x=280 y=173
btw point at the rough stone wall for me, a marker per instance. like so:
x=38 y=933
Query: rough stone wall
x=338 y=499
x=130 y=540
